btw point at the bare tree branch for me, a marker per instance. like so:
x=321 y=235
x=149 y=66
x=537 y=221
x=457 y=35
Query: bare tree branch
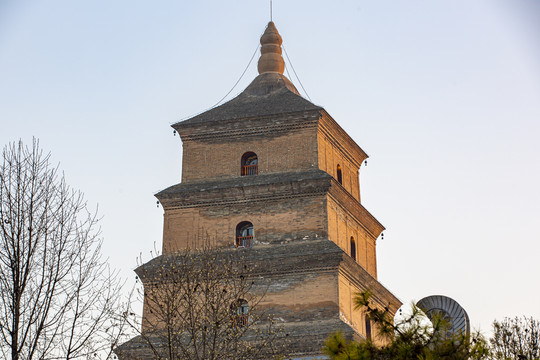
x=517 y=338
x=56 y=293
x=201 y=304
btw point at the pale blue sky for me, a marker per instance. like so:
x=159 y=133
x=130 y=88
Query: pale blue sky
x=443 y=95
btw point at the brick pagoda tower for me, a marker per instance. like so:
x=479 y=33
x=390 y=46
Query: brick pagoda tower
x=272 y=172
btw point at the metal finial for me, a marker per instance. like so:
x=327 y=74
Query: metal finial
x=270 y=10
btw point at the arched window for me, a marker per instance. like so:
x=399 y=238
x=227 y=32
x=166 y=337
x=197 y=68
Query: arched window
x=353 y=249
x=240 y=312
x=244 y=234
x=368 y=329
x=249 y=164
x=339 y=178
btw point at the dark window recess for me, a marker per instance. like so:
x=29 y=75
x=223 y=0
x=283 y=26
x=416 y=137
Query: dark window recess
x=353 y=249
x=368 y=329
x=339 y=178
x=244 y=234
x=240 y=312
x=249 y=164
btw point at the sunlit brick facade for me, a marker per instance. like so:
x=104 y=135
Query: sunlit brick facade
x=314 y=241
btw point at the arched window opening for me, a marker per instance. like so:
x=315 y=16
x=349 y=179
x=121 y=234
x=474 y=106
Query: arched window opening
x=339 y=178
x=240 y=312
x=368 y=328
x=249 y=164
x=353 y=248
x=244 y=234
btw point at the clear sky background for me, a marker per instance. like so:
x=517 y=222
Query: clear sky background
x=443 y=95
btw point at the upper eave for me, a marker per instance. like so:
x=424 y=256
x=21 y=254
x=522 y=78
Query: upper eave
x=268 y=94
x=270 y=103
x=252 y=126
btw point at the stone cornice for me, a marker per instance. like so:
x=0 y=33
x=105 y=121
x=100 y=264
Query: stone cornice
x=353 y=207
x=246 y=189
x=294 y=257
x=181 y=204
x=250 y=126
x=320 y=256
x=338 y=137
x=361 y=279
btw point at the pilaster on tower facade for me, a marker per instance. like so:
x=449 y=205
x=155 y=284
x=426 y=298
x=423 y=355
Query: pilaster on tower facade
x=274 y=175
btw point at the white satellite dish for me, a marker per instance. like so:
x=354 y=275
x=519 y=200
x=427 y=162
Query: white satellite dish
x=449 y=310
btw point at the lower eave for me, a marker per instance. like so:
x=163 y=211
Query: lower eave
x=245 y=188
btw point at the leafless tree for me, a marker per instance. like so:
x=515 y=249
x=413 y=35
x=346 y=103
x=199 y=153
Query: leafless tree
x=56 y=293
x=202 y=304
x=517 y=338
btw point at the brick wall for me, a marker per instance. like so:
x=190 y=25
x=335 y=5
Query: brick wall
x=209 y=159
x=302 y=297
x=274 y=221
x=330 y=156
x=342 y=225
x=337 y=148
x=352 y=281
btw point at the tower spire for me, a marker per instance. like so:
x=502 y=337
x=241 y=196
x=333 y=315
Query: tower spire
x=271 y=59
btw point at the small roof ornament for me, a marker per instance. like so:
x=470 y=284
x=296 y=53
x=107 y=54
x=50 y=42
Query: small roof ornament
x=271 y=59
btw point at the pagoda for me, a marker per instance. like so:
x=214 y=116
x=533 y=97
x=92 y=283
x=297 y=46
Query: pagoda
x=274 y=175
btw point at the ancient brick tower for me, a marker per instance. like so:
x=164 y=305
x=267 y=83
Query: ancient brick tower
x=274 y=173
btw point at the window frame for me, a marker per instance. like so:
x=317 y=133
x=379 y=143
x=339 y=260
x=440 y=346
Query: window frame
x=247 y=167
x=241 y=240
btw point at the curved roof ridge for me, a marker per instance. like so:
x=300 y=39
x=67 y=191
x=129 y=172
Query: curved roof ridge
x=269 y=93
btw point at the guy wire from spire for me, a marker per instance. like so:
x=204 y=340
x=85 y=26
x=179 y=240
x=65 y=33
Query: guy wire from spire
x=288 y=73
x=292 y=67
x=241 y=76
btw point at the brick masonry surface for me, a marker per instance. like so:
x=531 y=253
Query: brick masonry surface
x=304 y=205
